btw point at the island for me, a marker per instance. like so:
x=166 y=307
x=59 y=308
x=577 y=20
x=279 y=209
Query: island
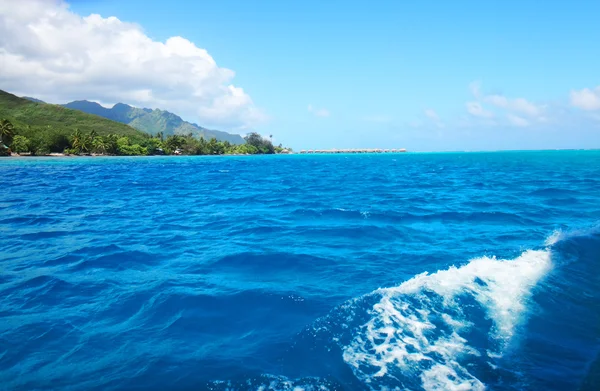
x=34 y=128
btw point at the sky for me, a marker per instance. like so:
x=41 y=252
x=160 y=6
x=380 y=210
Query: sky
x=422 y=75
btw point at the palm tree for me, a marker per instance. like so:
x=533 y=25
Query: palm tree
x=90 y=140
x=98 y=145
x=7 y=131
x=76 y=140
x=111 y=143
x=175 y=142
x=85 y=144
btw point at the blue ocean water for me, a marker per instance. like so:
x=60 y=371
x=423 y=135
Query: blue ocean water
x=447 y=271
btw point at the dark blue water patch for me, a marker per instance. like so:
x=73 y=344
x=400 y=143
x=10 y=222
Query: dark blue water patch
x=34 y=340
x=555 y=192
x=251 y=229
x=29 y=220
x=244 y=263
x=63 y=260
x=114 y=258
x=563 y=201
x=562 y=338
x=592 y=380
x=41 y=235
x=258 y=327
x=37 y=292
x=41 y=292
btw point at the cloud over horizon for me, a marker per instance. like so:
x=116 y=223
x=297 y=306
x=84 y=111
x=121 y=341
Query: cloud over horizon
x=476 y=110
x=586 y=99
x=518 y=112
x=51 y=53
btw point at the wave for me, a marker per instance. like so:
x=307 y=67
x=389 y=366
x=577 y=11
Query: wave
x=429 y=328
x=478 y=326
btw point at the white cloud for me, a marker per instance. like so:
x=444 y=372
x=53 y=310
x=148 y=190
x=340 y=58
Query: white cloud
x=518 y=105
x=516 y=111
x=49 y=52
x=318 y=112
x=497 y=100
x=477 y=110
x=524 y=106
x=434 y=117
x=586 y=99
x=517 y=121
x=431 y=114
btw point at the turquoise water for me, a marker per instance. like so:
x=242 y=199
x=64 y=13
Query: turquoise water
x=449 y=271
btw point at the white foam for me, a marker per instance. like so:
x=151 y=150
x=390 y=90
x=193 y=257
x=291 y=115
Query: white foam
x=402 y=339
x=444 y=378
x=560 y=235
x=556 y=236
x=273 y=383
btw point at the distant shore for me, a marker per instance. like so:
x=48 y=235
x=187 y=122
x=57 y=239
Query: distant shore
x=303 y=152
x=359 y=150
x=62 y=155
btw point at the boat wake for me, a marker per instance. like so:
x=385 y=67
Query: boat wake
x=439 y=330
x=474 y=327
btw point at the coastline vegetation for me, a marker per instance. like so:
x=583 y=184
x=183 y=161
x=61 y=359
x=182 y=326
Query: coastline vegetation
x=40 y=129
x=80 y=143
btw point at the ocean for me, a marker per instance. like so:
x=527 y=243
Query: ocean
x=415 y=271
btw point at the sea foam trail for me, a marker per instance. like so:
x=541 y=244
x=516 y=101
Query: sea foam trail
x=463 y=328
x=428 y=332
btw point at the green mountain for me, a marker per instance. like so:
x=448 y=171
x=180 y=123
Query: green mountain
x=55 y=124
x=152 y=121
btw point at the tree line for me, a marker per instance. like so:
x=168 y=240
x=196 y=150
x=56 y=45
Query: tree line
x=113 y=144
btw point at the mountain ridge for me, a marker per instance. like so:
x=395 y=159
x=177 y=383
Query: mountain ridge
x=152 y=121
x=55 y=124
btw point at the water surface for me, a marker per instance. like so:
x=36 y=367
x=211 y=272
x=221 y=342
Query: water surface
x=463 y=271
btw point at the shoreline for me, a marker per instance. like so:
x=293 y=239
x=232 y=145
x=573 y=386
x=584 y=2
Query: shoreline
x=62 y=155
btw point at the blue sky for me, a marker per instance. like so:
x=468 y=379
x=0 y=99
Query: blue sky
x=426 y=75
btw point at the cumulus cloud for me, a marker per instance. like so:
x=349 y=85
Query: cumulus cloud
x=517 y=111
x=50 y=52
x=517 y=121
x=318 y=112
x=477 y=110
x=586 y=99
x=518 y=105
